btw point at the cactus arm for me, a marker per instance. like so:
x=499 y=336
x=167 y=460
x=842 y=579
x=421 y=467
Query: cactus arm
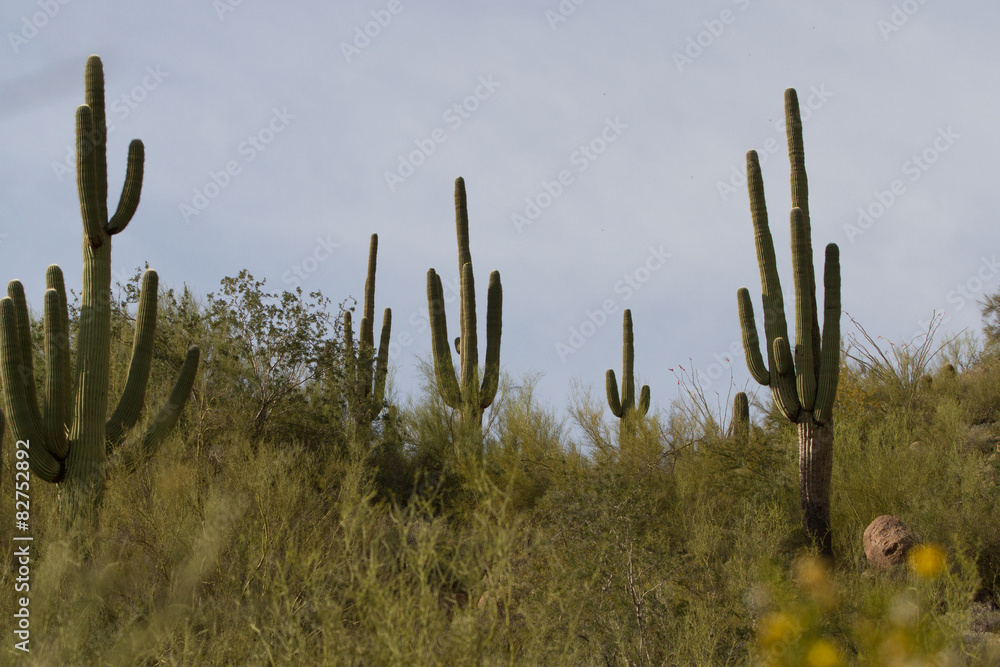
x=643 y=406
x=804 y=299
x=131 y=190
x=775 y=326
x=444 y=370
x=27 y=369
x=24 y=421
x=751 y=343
x=54 y=281
x=348 y=333
x=494 y=323
x=133 y=397
x=382 y=362
x=829 y=373
x=86 y=177
x=611 y=388
x=168 y=415
x=56 y=357
x=774 y=305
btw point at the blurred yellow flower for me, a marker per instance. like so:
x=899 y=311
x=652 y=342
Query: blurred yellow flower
x=927 y=560
x=823 y=654
x=778 y=627
x=812 y=574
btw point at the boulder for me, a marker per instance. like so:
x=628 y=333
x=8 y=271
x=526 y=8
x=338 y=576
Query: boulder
x=887 y=541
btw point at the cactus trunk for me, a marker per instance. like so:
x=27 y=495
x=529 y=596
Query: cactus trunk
x=815 y=468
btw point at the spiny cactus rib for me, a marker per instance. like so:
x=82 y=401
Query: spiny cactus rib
x=622 y=405
x=466 y=392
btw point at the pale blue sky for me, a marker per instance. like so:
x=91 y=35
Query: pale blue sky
x=626 y=124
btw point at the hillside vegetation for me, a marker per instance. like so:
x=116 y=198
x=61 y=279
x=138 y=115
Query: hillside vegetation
x=270 y=529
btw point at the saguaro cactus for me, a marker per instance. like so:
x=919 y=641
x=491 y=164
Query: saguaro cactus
x=740 y=425
x=625 y=407
x=71 y=436
x=369 y=387
x=804 y=387
x=465 y=394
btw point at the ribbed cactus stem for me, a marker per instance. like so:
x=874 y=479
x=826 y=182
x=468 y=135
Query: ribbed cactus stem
x=741 y=415
x=624 y=405
x=475 y=388
x=803 y=383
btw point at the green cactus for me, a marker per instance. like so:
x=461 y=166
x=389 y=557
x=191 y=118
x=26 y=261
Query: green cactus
x=740 y=426
x=71 y=435
x=465 y=393
x=804 y=387
x=369 y=386
x=626 y=407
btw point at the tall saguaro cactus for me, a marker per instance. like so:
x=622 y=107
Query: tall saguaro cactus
x=369 y=386
x=465 y=393
x=71 y=435
x=625 y=407
x=804 y=386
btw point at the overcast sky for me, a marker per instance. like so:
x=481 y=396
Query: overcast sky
x=602 y=144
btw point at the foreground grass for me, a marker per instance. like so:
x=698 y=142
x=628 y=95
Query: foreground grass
x=668 y=544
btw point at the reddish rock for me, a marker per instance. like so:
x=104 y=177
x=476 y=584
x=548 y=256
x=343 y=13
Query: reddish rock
x=887 y=541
